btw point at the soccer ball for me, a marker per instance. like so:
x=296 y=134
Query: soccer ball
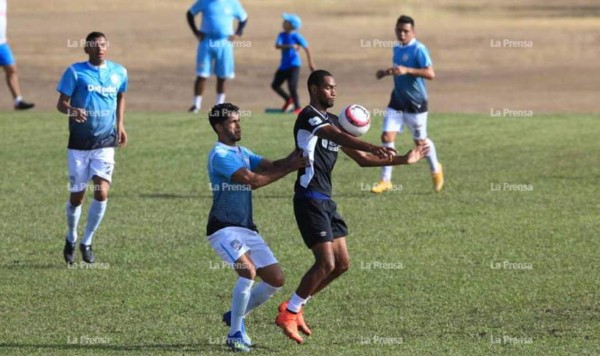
x=355 y=120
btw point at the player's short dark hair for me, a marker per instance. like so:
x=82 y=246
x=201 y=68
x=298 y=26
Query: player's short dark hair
x=316 y=78
x=93 y=36
x=404 y=20
x=220 y=112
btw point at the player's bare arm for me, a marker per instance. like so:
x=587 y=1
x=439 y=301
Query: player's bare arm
x=426 y=73
x=64 y=106
x=266 y=165
x=240 y=30
x=311 y=64
x=365 y=159
x=332 y=133
x=192 y=23
x=121 y=133
x=274 y=172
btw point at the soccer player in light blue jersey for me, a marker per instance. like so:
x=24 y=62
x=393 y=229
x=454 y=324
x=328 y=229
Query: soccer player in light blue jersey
x=408 y=104
x=216 y=40
x=289 y=42
x=92 y=94
x=235 y=171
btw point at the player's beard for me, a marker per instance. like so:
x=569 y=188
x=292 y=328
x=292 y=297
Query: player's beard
x=327 y=103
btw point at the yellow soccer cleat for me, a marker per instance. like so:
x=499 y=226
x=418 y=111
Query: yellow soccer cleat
x=381 y=187
x=438 y=179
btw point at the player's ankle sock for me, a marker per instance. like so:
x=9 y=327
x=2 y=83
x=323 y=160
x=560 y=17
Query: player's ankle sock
x=432 y=157
x=239 y=302
x=386 y=171
x=198 y=101
x=95 y=215
x=296 y=303
x=260 y=294
x=18 y=99
x=306 y=300
x=73 y=214
x=220 y=98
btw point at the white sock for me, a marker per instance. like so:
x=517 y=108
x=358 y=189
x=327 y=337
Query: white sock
x=220 y=98
x=260 y=294
x=296 y=303
x=73 y=215
x=239 y=302
x=432 y=157
x=306 y=300
x=95 y=215
x=386 y=171
x=18 y=99
x=198 y=101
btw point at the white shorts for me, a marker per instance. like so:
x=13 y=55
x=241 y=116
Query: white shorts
x=395 y=120
x=233 y=242
x=83 y=165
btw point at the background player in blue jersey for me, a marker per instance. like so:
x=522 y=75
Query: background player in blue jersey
x=92 y=94
x=317 y=132
x=289 y=42
x=7 y=62
x=235 y=171
x=408 y=103
x=215 y=43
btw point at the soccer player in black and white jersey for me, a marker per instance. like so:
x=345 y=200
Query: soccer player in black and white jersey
x=318 y=134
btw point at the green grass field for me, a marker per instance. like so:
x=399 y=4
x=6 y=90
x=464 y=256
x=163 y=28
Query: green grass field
x=477 y=269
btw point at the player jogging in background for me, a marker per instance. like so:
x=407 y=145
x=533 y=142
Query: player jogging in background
x=7 y=62
x=235 y=171
x=289 y=42
x=215 y=44
x=323 y=230
x=92 y=94
x=408 y=103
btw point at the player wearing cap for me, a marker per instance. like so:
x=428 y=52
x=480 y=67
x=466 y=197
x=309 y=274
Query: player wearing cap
x=408 y=103
x=215 y=43
x=7 y=62
x=92 y=94
x=289 y=42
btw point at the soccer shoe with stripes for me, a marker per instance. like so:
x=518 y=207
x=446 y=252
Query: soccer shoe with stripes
x=438 y=179
x=227 y=321
x=381 y=186
x=299 y=319
x=288 y=322
x=69 y=252
x=236 y=343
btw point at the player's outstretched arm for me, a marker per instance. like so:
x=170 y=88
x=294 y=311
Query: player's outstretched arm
x=365 y=159
x=426 y=73
x=332 y=133
x=270 y=171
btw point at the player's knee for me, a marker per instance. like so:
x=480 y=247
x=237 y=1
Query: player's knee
x=421 y=142
x=327 y=265
x=276 y=281
x=76 y=200
x=343 y=266
x=245 y=270
x=274 y=86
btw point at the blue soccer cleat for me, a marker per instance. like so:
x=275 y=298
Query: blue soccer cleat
x=227 y=321
x=236 y=343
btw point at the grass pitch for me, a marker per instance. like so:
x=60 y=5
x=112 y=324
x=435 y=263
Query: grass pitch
x=503 y=261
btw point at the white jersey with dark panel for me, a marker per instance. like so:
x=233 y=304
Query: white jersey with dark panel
x=409 y=94
x=314 y=181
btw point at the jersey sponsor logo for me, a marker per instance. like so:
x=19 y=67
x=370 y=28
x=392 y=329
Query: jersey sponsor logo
x=236 y=244
x=330 y=145
x=102 y=90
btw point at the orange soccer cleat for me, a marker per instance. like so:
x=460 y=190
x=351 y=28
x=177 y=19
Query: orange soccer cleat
x=288 y=321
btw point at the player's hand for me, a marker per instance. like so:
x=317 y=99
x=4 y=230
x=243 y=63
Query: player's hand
x=399 y=70
x=122 y=137
x=383 y=152
x=380 y=74
x=296 y=47
x=297 y=160
x=200 y=36
x=416 y=154
x=77 y=115
x=233 y=38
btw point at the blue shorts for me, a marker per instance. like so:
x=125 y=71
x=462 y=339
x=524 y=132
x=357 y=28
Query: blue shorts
x=215 y=56
x=6 y=55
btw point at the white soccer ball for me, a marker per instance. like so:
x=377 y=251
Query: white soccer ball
x=355 y=119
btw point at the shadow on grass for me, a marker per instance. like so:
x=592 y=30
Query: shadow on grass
x=200 y=347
